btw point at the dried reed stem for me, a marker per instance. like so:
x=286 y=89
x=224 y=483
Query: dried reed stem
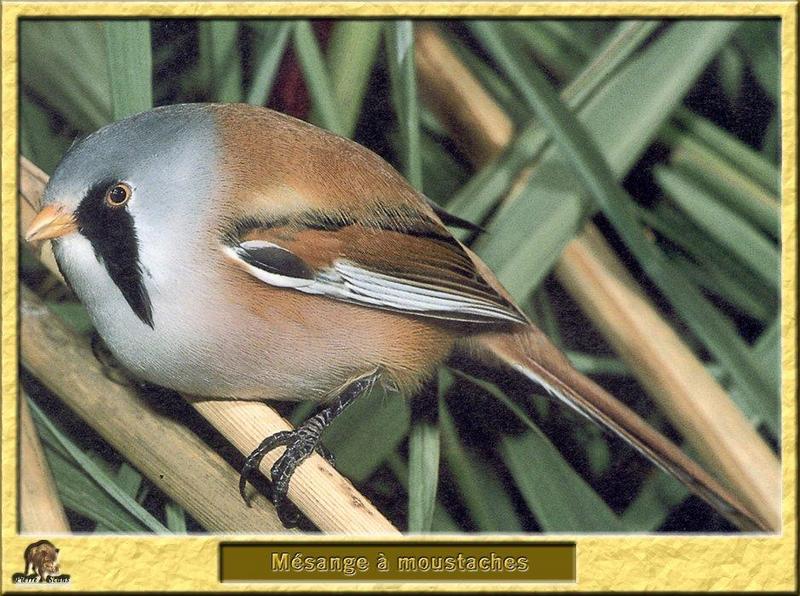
x=694 y=402
x=40 y=509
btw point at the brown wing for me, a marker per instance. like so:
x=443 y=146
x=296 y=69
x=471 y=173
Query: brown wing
x=414 y=267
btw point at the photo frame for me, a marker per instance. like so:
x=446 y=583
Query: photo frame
x=602 y=560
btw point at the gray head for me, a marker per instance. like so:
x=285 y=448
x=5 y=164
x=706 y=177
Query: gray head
x=114 y=190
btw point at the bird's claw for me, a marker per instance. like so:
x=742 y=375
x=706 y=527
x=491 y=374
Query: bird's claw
x=299 y=445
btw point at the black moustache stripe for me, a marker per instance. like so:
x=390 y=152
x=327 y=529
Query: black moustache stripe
x=113 y=237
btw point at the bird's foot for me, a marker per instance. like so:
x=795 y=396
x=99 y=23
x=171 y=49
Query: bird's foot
x=300 y=443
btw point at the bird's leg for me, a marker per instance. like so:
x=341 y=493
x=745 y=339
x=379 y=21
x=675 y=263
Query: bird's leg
x=326 y=454
x=300 y=443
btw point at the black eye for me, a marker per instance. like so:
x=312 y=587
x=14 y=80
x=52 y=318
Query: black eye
x=118 y=195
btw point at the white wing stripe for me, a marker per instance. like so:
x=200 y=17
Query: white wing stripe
x=386 y=291
x=369 y=278
x=354 y=284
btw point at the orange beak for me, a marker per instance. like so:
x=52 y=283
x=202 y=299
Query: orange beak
x=51 y=222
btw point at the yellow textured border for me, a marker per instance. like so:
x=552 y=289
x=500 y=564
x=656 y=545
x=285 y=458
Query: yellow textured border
x=604 y=563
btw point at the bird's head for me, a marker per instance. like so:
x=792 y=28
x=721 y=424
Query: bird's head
x=128 y=196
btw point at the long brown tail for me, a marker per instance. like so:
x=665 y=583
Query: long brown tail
x=528 y=351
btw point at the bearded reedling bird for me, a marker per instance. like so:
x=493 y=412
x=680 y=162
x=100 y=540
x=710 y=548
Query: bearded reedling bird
x=233 y=251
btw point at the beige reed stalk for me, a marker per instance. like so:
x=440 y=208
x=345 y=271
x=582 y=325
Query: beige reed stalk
x=165 y=451
x=40 y=509
x=726 y=443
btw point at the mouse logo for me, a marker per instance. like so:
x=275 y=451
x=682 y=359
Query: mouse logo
x=41 y=565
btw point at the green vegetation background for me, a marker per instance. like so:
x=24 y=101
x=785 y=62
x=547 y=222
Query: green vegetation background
x=685 y=116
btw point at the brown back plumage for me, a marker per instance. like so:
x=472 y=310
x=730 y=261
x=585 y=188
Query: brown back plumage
x=326 y=200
